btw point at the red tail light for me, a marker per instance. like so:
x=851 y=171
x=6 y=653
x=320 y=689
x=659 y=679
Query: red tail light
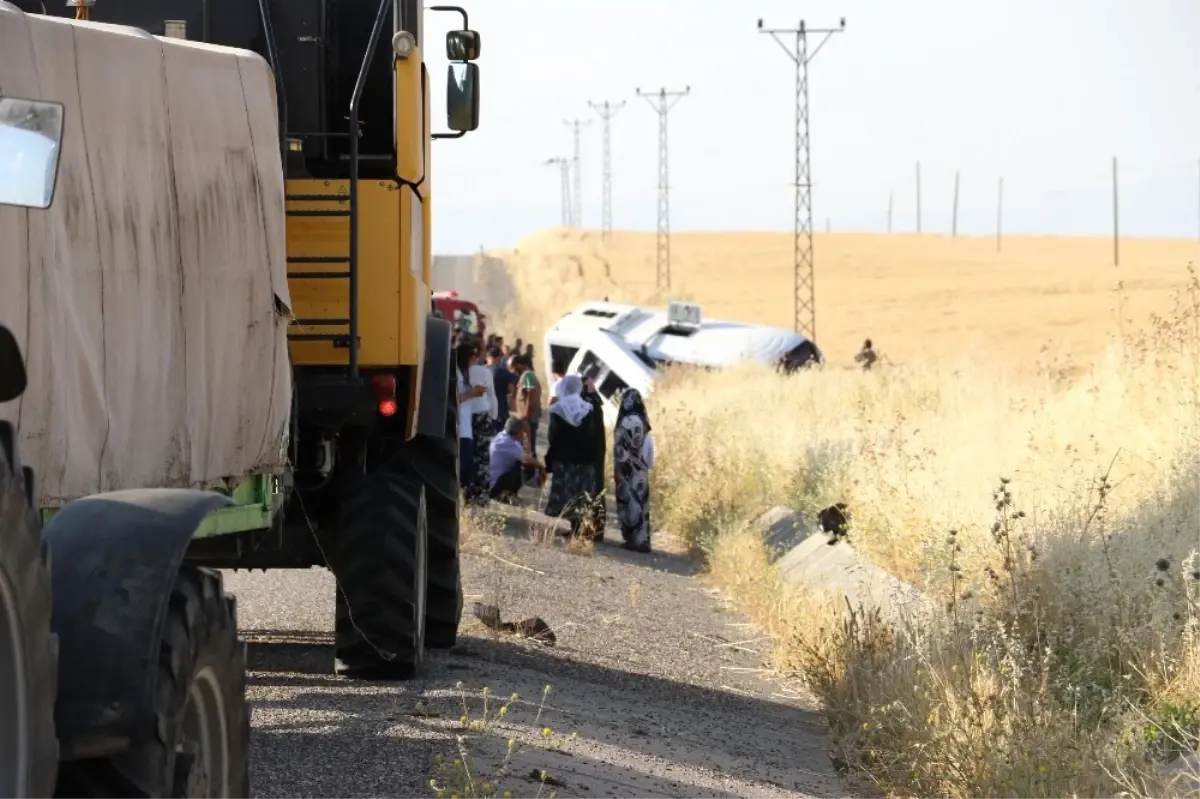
x=384 y=388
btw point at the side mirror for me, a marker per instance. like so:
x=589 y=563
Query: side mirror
x=12 y=368
x=30 y=139
x=462 y=97
x=462 y=45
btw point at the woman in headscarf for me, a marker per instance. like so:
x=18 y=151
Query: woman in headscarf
x=633 y=457
x=596 y=419
x=571 y=457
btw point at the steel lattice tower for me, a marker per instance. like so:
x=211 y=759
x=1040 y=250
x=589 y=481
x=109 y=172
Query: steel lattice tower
x=805 y=300
x=662 y=102
x=577 y=214
x=564 y=169
x=606 y=111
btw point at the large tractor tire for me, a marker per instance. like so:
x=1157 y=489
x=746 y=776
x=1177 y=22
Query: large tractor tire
x=379 y=562
x=434 y=461
x=28 y=648
x=199 y=743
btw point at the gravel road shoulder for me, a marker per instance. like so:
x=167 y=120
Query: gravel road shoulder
x=660 y=683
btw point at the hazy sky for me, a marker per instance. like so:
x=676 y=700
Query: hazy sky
x=1041 y=93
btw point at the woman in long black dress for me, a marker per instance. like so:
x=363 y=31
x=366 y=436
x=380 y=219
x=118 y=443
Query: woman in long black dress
x=633 y=457
x=571 y=457
x=596 y=419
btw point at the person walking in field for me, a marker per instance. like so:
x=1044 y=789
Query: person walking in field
x=571 y=456
x=867 y=356
x=633 y=458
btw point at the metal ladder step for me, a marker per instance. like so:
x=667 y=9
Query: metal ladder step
x=307 y=212
x=318 y=275
x=340 y=198
x=319 y=259
x=338 y=339
x=320 y=322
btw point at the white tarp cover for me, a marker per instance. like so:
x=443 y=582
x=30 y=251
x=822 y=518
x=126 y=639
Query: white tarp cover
x=149 y=299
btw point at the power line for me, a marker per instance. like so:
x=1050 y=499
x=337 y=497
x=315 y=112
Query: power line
x=564 y=168
x=662 y=102
x=575 y=125
x=805 y=301
x=606 y=111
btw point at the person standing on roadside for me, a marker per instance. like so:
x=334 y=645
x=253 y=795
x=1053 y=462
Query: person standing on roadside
x=529 y=399
x=571 y=458
x=529 y=354
x=466 y=392
x=510 y=363
x=528 y=403
x=558 y=370
x=503 y=381
x=633 y=458
x=484 y=413
x=596 y=419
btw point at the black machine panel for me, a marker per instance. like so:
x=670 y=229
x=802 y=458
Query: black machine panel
x=320 y=45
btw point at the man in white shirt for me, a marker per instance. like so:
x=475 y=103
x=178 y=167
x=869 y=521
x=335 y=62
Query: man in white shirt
x=559 y=370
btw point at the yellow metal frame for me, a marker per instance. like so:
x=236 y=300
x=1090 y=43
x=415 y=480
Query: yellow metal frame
x=395 y=252
x=393 y=296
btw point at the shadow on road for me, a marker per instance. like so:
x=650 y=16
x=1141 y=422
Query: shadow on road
x=631 y=725
x=290 y=652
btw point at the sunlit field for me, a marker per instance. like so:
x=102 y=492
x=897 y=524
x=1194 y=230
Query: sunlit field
x=916 y=296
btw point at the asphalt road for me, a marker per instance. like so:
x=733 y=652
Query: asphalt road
x=662 y=686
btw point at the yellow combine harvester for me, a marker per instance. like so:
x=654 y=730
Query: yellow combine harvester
x=216 y=264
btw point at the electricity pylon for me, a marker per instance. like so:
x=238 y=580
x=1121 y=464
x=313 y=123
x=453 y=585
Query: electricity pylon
x=662 y=102
x=805 y=299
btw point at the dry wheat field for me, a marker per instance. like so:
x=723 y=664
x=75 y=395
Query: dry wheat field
x=918 y=297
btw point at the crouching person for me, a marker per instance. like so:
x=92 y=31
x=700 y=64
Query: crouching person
x=508 y=454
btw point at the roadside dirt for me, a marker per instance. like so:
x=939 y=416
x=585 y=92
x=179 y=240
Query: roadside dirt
x=657 y=688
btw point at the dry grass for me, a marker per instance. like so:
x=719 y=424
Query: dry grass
x=1057 y=525
x=1033 y=462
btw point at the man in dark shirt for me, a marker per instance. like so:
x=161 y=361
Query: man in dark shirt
x=503 y=380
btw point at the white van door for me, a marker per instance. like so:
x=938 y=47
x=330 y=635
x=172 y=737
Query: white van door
x=619 y=368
